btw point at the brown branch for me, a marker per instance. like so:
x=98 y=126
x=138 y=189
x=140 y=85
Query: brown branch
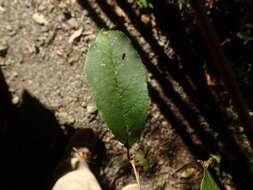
x=222 y=65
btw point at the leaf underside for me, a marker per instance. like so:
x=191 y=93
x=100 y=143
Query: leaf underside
x=117 y=80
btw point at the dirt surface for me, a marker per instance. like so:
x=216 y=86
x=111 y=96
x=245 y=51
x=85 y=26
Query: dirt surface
x=43 y=46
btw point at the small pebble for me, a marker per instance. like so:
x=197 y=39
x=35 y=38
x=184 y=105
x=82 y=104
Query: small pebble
x=83 y=104
x=15 y=100
x=73 y=1
x=29 y=82
x=40 y=19
x=73 y=23
x=91 y=109
x=12 y=90
x=71 y=61
x=14 y=74
x=2 y=9
x=165 y=123
x=64 y=118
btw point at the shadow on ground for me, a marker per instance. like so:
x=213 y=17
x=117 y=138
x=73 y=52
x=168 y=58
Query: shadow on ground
x=188 y=72
x=31 y=141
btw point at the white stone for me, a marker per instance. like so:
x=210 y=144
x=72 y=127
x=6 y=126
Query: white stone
x=40 y=19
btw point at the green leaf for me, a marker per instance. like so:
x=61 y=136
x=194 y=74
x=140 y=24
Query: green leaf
x=188 y=172
x=140 y=156
x=144 y=4
x=117 y=80
x=208 y=182
x=231 y=113
x=243 y=36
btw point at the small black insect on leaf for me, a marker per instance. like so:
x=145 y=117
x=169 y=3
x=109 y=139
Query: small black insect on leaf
x=123 y=56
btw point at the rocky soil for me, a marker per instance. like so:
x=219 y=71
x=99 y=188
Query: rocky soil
x=42 y=52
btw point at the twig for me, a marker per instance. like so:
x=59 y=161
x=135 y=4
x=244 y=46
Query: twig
x=137 y=177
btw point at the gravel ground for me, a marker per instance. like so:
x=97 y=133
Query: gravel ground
x=42 y=52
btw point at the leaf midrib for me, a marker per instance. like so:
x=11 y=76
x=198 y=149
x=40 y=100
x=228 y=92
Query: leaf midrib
x=115 y=78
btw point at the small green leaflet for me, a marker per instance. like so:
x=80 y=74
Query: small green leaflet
x=117 y=80
x=140 y=156
x=244 y=36
x=208 y=182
